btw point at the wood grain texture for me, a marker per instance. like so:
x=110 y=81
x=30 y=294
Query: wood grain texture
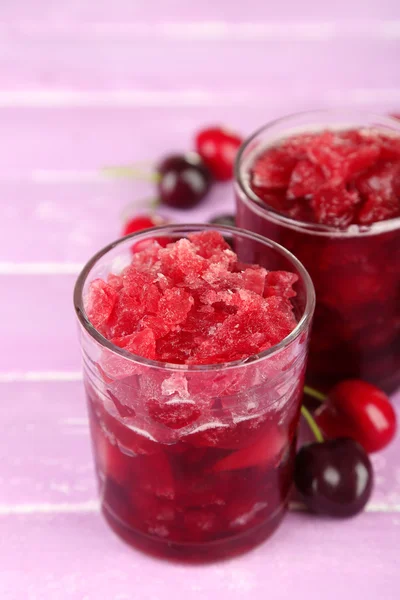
x=80 y=558
x=164 y=11
x=87 y=84
x=255 y=68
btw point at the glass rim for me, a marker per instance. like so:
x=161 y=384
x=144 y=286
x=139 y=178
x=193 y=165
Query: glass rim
x=258 y=206
x=184 y=229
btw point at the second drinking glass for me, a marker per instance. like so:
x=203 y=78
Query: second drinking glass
x=355 y=270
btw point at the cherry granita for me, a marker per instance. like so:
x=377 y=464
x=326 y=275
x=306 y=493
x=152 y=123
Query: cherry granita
x=194 y=367
x=193 y=303
x=332 y=197
x=331 y=178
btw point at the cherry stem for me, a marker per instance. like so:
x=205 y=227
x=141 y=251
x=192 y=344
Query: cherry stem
x=314 y=393
x=130 y=172
x=312 y=424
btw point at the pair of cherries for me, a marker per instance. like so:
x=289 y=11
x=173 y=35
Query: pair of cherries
x=183 y=180
x=335 y=476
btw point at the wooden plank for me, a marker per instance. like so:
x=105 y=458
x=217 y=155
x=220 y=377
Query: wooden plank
x=79 y=557
x=122 y=11
x=258 y=67
x=38 y=322
x=45 y=446
x=67 y=222
x=88 y=138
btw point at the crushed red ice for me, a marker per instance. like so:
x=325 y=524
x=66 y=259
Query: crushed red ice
x=192 y=302
x=333 y=178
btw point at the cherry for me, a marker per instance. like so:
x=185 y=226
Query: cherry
x=141 y=222
x=223 y=220
x=334 y=477
x=183 y=180
x=145 y=222
x=358 y=410
x=218 y=148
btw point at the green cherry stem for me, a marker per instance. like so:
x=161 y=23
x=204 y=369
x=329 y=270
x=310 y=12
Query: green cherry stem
x=312 y=424
x=129 y=172
x=314 y=393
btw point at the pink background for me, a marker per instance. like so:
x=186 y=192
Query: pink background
x=86 y=84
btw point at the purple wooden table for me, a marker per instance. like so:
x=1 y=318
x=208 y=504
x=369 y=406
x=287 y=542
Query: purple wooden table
x=85 y=84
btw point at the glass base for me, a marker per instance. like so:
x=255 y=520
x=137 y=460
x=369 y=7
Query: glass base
x=203 y=552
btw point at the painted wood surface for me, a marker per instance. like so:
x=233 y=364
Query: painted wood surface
x=87 y=84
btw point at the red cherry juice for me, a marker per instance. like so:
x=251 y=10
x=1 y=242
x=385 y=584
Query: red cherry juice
x=193 y=436
x=332 y=197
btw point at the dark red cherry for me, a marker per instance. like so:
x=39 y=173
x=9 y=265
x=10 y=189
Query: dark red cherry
x=184 y=180
x=359 y=410
x=334 y=477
